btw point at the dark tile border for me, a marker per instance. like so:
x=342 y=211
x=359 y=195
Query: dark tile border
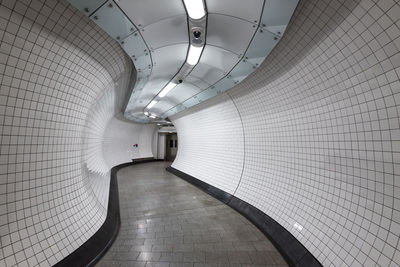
x=144 y=160
x=90 y=252
x=290 y=248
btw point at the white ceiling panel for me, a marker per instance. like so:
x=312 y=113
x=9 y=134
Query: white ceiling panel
x=169 y=59
x=182 y=92
x=218 y=58
x=166 y=32
x=262 y=44
x=145 y=12
x=230 y=33
x=277 y=12
x=197 y=81
x=249 y=10
x=162 y=107
x=207 y=73
x=87 y=6
x=111 y=19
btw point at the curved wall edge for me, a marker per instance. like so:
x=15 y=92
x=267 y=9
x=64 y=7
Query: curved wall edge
x=291 y=249
x=90 y=252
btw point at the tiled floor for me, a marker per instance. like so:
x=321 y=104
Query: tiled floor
x=169 y=222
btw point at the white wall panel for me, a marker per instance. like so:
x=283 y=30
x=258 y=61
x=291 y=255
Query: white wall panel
x=321 y=129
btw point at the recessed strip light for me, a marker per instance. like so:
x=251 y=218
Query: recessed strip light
x=166 y=89
x=152 y=103
x=194 y=54
x=195 y=8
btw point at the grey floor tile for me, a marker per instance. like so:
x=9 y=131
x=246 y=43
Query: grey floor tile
x=168 y=222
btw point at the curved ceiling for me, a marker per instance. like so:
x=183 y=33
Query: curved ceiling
x=157 y=36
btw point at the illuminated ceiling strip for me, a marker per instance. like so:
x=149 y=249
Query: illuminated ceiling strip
x=195 y=8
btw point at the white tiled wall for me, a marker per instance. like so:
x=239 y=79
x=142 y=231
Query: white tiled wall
x=120 y=138
x=321 y=129
x=210 y=143
x=60 y=76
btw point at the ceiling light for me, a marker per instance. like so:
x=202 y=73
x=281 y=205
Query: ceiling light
x=146 y=113
x=194 y=54
x=166 y=89
x=152 y=116
x=195 y=8
x=152 y=103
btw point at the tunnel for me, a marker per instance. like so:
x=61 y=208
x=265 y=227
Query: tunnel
x=199 y=133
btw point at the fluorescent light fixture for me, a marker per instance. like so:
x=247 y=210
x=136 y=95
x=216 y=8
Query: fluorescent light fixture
x=194 y=54
x=195 y=8
x=152 y=103
x=166 y=89
x=146 y=113
x=152 y=116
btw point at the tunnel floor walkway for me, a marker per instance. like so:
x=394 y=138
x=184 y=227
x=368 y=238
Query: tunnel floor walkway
x=169 y=222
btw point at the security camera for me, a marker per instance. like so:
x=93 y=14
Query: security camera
x=197 y=34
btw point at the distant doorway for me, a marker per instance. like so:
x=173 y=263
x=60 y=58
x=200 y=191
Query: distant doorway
x=171 y=146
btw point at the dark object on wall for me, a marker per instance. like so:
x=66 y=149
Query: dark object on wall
x=290 y=248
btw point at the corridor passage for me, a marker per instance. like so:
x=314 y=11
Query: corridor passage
x=169 y=222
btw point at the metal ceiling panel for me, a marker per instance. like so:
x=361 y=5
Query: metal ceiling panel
x=145 y=12
x=169 y=59
x=224 y=84
x=166 y=32
x=111 y=19
x=229 y=33
x=134 y=45
x=207 y=73
x=277 y=13
x=262 y=44
x=218 y=58
x=249 y=10
x=241 y=71
x=87 y=6
x=197 y=81
x=182 y=92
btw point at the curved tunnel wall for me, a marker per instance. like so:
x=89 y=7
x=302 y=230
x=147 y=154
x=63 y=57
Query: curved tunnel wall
x=321 y=137
x=63 y=81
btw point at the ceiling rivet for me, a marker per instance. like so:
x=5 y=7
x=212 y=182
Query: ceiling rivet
x=95 y=17
x=118 y=38
x=263 y=25
x=110 y=5
x=135 y=34
x=279 y=32
x=122 y=42
x=86 y=9
x=132 y=29
x=275 y=38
